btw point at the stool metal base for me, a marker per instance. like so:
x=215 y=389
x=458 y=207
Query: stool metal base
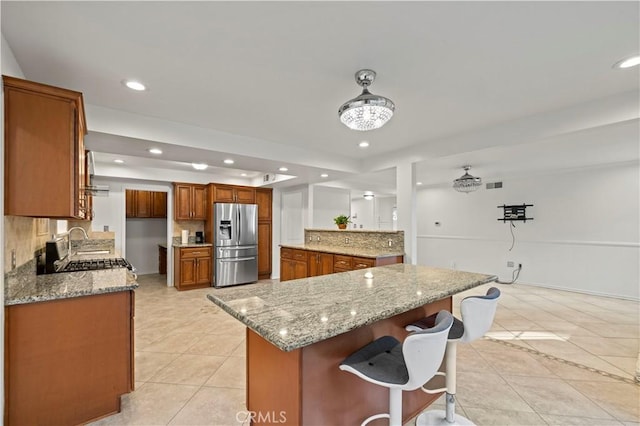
x=439 y=418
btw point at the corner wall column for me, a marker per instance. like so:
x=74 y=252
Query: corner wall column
x=406 y=207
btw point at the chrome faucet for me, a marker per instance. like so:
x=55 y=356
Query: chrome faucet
x=84 y=233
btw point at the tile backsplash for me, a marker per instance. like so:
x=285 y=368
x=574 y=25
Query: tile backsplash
x=25 y=235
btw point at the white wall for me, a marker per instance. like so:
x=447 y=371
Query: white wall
x=293 y=215
x=584 y=236
x=373 y=214
x=328 y=203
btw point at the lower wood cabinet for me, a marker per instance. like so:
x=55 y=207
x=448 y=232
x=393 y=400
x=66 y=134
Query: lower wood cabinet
x=162 y=260
x=193 y=267
x=293 y=264
x=301 y=263
x=68 y=361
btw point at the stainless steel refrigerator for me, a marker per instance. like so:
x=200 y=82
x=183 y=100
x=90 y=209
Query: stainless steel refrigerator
x=235 y=244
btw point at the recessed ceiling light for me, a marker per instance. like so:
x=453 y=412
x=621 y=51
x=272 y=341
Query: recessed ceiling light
x=363 y=144
x=243 y=174
x=418 y=183
x=155 y=151
x=283 y=169
x=629 y=62
x=228 y=161
x=324 y=175
x=135 y=85
x=119 y=161
x=199 y=166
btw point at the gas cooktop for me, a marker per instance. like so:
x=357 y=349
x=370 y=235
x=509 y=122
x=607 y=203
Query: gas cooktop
x=96 y=264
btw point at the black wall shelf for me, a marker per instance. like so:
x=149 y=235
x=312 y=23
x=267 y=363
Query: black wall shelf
x=515 y=212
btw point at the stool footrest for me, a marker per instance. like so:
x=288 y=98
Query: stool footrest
x=375 y=417
x=438 y=417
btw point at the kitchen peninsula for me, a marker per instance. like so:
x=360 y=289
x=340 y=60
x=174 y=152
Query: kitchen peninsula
x=299 y=331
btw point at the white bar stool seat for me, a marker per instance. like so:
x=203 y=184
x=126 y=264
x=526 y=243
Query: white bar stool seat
x=401 y=366
x=477 y=316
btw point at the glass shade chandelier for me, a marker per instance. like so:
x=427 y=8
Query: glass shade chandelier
x=467 y=183
x=367 y=111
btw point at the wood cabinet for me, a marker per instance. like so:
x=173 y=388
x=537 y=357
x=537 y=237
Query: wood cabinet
x=293 y=264
x=263 y=199
x=322 y=263
x=68 y=361
x=145 y=204
x=45 y=167
x=190 y=201
x=162 y=259
x=234 y=194
x=319 y=263
x=192 y=267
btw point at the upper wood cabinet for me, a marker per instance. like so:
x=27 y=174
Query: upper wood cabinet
x=44 y=151
x=143 y=204
x=190 y=201
x=264 y=198
x=234 y=194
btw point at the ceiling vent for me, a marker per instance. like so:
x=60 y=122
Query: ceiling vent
x=494 y=185
x=269 y=177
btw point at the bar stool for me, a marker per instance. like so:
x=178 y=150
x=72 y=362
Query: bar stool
x=477 y=316
x=401 y=366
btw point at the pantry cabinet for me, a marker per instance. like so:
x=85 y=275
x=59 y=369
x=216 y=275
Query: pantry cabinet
x=145 y=204
x=264 y=201
x=190 y=201
x=45 y=167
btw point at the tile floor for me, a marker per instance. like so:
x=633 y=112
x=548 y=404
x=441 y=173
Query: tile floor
x=552 y=357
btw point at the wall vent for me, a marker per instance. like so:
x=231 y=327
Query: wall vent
x=269 y=177
x=494 y=185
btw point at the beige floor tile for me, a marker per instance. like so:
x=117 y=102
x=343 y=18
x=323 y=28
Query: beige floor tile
x=483 y=390
x=630 y=331
x=149 y=363
x=577 y=421
x=626 y=364
x=513 y=362
x=213 y=406
x=484 y=416
x=176 y=343
x=566 y=371
x=152 y=404
x=621 y=400
x=241 y=350
x=216 y=344
x=555 y=396
x=607 y=346
x=231 y=374
x=189 y=370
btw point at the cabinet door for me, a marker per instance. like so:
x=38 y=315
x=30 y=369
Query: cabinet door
x=341 y=263
x=313 y=265
x=286 y=269
x=199 y=202
x=143 y=203
x=325 y=263
x=363 y=263
x=203 y=275
x=223 y=194
x=188 y=271
x=264 y=201
x=182 y=202
x=299 y=269
x=264 y=250
x=130 y=201
x=159 y=204
x=245 y=195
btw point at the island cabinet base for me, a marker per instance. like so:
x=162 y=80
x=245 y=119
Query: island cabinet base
x=306 y=387
x=68 y=361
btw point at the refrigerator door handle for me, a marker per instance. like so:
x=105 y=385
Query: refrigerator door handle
x=236 y=259
x=238 y=222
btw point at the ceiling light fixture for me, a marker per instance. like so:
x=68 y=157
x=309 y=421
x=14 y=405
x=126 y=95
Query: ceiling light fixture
x=367 y=111
x=324 y=175
x=418 y=183
x=228 y=161
x=629 y=62
x=135 y=85
x=199 y=166
x=368 y=196
x=243 y=174
x=363 y=144
x=119 y=161
x=467 y=183
x=155 y=151
x=283 y=169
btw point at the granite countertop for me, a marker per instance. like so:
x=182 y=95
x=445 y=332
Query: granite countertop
x=24 y=286
x=370 y=231
x=348 y=251
x=163 y=245
x=298 y=313
x=193 y=245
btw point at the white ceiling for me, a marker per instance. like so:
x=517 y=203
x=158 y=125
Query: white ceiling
x=509 y=87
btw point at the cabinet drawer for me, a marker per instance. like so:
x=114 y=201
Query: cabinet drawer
x=192 y=252
x=363 y=262
x=342 y=263
x=289 y=253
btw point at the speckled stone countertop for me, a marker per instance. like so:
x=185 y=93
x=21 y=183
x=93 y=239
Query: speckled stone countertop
x=364 y=231
x=298 y=313
x=24 y=286
x=348 y=251
x=193 y=245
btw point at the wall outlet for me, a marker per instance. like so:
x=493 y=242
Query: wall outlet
x=346 y=240
x=106 y=228
x=318 y=238
x=13 y=259
x=510 y=264
x=390 y=243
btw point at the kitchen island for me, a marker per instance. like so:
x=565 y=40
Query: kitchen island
x=68 y=344
x=299 y=331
